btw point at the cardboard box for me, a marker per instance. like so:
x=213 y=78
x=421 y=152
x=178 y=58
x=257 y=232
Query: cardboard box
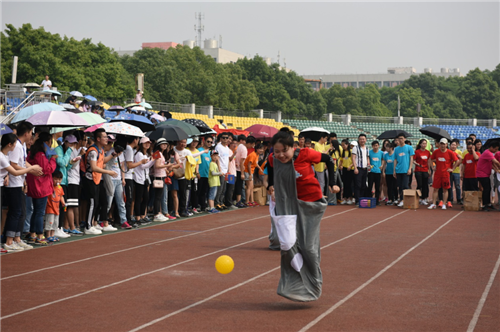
x=410 y=198
x=472 y=200
x=260 y=195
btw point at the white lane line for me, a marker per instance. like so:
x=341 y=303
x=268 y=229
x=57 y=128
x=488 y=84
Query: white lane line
x=473 y=322
x=249 y=280
x=360 y=288
x=130 y=248
x=141 y=275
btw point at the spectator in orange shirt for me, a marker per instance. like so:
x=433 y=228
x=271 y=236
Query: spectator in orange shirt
x=52 y=210
x=251 y=162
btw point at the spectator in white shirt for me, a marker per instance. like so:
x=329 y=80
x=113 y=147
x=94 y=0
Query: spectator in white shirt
x=46 y=83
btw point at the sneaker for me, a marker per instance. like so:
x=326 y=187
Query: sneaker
x=61 y=234
x=240 y=205
x=126 y=225
x=196 y=211
x=12 y=248
x=24 y=245
x=109 y=228
x=213 y=211
x=401 y=204
x=343 y=202
x=75 y=232
x=334 y=203
x=144 y=221
x=448 y=205
x=440 y=204
x=30 y=240
x=190 y=214
x=41 y=241
x=233 y=207
x=92 y=231
x=460 y=202
x=443 y=207
x=388 y=203
x=171 y=217
x=424 y=202
x=98 y=227
x=432 y=206
x=146 y=218
x=184 y=215
x=3 y=251
x=65 y=230
x=160 y=217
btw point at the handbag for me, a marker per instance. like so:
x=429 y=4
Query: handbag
x=178 y=173
x=158 y=183
x=168 y=180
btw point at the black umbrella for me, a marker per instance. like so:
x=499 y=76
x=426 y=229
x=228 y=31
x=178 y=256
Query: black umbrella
x=189 y=129
x=202 y=126
x=487 y=144
x=435 y=132
x=168 y=132
x=391 y=134
x=314 y=133
x=142 y=122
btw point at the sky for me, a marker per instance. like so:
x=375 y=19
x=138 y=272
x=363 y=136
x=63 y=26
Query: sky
x=311 y=38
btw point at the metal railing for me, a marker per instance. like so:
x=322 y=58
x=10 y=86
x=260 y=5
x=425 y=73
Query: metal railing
x=438 y=121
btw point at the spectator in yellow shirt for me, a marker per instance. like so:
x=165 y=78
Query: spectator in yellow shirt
x=321 y=147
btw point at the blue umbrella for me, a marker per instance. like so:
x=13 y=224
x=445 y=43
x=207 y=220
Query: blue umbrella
x=26 y=112
x=4 y=129
x=136 y=120
x=52 y=92
x=89 y=97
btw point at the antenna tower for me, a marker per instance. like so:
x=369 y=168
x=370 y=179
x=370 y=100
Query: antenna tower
x=278 y=58
x=200 y=27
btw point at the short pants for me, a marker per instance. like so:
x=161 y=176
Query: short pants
x=441 y=182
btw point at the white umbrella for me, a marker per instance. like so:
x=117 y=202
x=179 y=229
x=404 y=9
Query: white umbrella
x=138 y=108
x=76 y=94
x=122 y=128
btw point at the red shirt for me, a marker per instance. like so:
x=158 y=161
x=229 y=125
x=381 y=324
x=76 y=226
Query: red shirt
x=470 y=165
x=422 y=159
x=444 y=161
x=308 y=188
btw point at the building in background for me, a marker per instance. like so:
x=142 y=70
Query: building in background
x=394 y=76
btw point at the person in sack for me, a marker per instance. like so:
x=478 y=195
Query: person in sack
x=297 y=207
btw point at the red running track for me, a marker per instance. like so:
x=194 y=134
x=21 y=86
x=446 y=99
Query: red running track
x=384 y=269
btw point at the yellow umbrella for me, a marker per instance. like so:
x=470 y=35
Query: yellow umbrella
x=105 y=106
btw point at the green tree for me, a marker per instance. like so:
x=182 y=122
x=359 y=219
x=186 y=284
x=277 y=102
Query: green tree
x=369 y=101
x=446 y=105
x=92 y=69
x=479 y=95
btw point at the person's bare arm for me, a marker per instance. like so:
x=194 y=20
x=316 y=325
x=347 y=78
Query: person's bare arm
x=97 y=169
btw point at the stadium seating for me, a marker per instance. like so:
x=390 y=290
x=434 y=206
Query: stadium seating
x=462 y=132
x=339 y=128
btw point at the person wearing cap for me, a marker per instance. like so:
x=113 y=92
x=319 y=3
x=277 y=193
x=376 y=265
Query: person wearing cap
x=403 y=161
x=446 y=160
x=161 y=167
x=141 y=181
x=63 y=162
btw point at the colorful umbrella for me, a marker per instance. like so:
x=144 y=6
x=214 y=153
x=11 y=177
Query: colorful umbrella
x=76 y=94
x=27 y=112
x=123 y=129
x=136 y=120
x=52 y=92
x=89 y=97
x=91 y=118
x=31 y=85
x=4 y=129
x=138 y=108
x=143 y=104
x=57 y=118
x=93 y=128
x=105 y=105
x=202 y=126
x=115 y=108
x=157 y=117
x=262 y=132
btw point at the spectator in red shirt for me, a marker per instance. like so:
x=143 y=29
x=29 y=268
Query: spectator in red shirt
x=446 y=161
x=469 y=169
x=422 y=171
x=486 y=163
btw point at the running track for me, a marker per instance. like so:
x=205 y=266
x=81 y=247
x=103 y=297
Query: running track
x=384 y=269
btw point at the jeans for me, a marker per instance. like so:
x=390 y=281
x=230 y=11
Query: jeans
x=39 y=206
x=164 y=200
x=454 y=180
x=402 y=179
x=212 y=193
x=29 y=212
x=219 y=199
x=16 y=201
x=120 y=204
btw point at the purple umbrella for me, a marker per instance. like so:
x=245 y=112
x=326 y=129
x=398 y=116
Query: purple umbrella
x=116 y=108
x=57 y=119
